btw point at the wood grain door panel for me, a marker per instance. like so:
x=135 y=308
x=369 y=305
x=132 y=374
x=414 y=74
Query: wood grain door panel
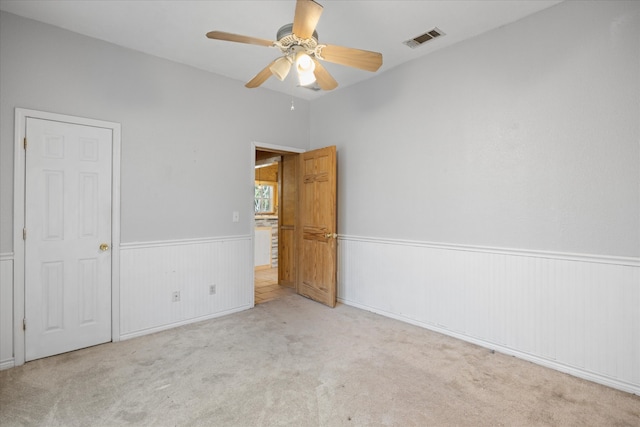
x=317 y=243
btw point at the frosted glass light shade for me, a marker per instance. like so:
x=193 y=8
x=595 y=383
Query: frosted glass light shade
x=306 y=78
x=280 y=68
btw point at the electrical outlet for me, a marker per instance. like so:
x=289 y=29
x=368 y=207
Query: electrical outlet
x=175 y=297
x=212 y=290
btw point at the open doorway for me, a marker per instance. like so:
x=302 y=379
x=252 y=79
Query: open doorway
x=306 y=217
x=274 y=214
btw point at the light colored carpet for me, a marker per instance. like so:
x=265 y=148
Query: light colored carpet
x=294 y=362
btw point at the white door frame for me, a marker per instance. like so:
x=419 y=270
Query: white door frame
x=251 y=213
x=21 y=115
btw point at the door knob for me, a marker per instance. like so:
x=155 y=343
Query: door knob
x=104 y=247
x=330 y=235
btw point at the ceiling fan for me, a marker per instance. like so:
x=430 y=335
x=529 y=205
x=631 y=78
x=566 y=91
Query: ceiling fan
x=299 y=45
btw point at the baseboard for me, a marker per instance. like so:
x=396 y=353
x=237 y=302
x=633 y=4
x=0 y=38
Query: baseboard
x=161 y=328
x=571 y=370
x=7 y=364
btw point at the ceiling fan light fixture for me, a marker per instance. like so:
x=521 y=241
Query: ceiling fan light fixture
x=305 y=67
x=301 y=48
x=280 y=68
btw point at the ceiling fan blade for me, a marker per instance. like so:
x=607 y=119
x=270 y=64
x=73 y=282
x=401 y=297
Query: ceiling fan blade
x=323 y=78
x=363 y=59
x=221 y=35
x=260 y=78
x=306 y=18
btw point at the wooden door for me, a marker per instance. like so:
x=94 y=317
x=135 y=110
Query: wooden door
x=317 y=245
x=287 y=220
x=68 y=236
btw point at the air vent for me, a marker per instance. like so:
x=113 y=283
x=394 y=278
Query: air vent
x=423 y=38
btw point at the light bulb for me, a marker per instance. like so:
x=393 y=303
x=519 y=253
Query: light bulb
x=304 y=63
x=305 y=67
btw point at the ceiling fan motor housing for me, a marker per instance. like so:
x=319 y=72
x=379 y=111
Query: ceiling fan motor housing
x=288 y=41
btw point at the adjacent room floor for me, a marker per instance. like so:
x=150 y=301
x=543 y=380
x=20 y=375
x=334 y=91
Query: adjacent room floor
x=266 y=286
x=295 y=362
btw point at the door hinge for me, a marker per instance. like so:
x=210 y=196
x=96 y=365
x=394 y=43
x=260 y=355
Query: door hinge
x=24 y=234
x=24 y=324
x=25 y=142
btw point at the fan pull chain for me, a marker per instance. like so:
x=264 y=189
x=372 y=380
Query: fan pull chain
x=293 y=88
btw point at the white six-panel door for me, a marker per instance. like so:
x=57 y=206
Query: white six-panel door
x=68 y=237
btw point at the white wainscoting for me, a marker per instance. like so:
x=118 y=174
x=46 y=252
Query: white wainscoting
x=579 y=314
x=151 y=272
x=6 y=311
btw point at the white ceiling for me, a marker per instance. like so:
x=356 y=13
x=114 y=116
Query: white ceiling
x=176 y=29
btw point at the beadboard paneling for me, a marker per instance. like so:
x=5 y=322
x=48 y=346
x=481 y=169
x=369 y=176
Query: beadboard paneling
x=151 y=272
x=576 y=313
x=6 y=311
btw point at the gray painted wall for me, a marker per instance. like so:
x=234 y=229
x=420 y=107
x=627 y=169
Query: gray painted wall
x=526 y=137
x=186 y=133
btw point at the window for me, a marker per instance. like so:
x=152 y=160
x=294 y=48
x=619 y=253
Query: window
x=264 y=201
x=266 y=188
